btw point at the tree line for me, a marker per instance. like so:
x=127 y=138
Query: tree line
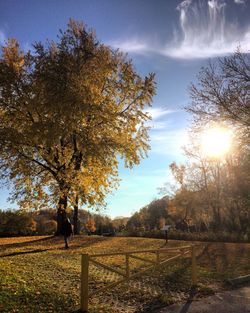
x=44 y=222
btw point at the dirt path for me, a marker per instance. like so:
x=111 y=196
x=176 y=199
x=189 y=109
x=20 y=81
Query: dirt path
x=233 y=301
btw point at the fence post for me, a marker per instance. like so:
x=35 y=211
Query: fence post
x=127 y=267
x=194 y=266
x=84 y=282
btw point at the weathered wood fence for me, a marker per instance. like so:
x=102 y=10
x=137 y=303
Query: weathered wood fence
x=126 y=274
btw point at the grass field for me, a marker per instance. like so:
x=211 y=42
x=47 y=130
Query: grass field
x=38 y=275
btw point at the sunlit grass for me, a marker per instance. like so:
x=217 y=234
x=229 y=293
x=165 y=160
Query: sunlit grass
x=40 y=276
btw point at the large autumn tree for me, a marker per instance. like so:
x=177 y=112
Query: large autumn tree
x=68 y=110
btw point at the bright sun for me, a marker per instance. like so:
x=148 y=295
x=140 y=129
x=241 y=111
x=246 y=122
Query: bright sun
x=216 y=141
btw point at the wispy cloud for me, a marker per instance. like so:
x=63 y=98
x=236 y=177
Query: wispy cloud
x=157 y=113
x=158 y=125
x=203 y=31
x=158 y=116
x=133 y=45
x=2 y=37
x=240 y=1
x=169 y=142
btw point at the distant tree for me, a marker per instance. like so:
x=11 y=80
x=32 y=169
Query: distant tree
x=149 y=217
x=50 y=227
x=120 y=223
x=136 y=221
x=162 y=222
x=103 y=224
x=156 y=213
x=46 y=222
x=183 y=198
x=16 y=223
x=67 y=111
x=90 y=225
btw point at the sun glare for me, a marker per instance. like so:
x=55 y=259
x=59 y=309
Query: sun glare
x=216 y=142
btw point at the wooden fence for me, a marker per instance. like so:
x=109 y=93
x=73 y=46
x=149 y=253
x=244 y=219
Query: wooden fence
x=127 y=274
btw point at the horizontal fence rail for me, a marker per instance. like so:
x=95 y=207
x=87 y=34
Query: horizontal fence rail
x=126 y=274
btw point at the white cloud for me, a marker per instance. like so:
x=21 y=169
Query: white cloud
x=204 y=31
x=133 y=45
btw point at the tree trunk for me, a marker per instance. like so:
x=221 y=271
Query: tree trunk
x=75 y=218
x=61 y=211
x=219 y=218
x=216 y=217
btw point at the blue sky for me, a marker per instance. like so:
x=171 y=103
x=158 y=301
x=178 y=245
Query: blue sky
x=171 y=38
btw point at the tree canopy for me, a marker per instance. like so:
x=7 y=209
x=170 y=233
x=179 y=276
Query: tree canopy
x=222 y=93
x=68 y=110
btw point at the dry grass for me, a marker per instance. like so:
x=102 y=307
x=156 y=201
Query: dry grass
x=38 y=275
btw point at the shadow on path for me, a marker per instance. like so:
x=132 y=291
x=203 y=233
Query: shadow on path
x=190 y=299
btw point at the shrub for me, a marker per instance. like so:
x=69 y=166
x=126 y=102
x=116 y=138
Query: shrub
x=222 y=236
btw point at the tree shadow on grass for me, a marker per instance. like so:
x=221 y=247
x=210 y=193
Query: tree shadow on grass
x=55 y=240
x=24 y=252
x=20 y=244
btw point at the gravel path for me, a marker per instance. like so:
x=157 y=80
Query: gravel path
x=234 y=301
